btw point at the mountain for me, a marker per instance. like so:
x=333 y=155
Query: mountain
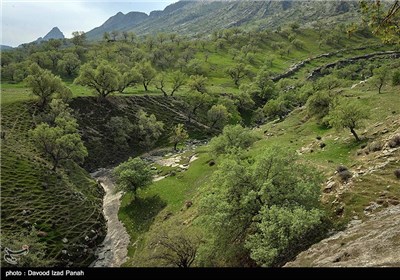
x=54 y=33
x=203 y=17
x=4 y=47
x=118 y=22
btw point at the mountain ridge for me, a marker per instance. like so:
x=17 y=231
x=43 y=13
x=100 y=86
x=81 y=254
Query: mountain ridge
x=204 y=17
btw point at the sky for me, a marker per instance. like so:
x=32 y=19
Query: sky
x=24 y=21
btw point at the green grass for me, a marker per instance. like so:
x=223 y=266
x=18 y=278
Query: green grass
x=165 y=197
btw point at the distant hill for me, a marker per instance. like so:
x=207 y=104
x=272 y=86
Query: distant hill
x=203 y=17
x=118 y=22
x=54 y=33
x=4 y=47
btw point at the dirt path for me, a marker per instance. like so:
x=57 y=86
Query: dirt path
x=114 y=249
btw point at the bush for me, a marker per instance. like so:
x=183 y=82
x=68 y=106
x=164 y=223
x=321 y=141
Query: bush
x=375 y=146
x=341 y=168
x=397 y=173
x=344 y=173
x=395 y=141
x=396 y=78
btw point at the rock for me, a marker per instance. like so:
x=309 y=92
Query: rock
x=42 y=234
x=64 y=240
x=188 y=204
x=329 y=186
x=322 y=145
x=26 y=224
x=373 y=206
x=64 y=252
x=87 y=238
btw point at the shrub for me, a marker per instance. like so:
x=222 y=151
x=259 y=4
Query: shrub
x=345 y=175
x=395 y=141
x=341 y=168
x=397 y=173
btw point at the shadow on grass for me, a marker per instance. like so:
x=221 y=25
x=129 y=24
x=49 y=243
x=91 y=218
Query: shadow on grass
x=142 y=211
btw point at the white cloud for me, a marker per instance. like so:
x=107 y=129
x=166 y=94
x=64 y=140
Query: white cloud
x=25 y=20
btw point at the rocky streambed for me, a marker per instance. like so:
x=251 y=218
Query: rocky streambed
x=113 y=251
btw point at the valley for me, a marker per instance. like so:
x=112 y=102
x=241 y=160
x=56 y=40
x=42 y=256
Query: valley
x=256 y=142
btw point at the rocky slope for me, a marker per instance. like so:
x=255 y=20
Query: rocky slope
x=374 y=242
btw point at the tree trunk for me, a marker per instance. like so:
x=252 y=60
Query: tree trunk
x=145 y=86
x=354 y=134
x=380 y=88
x=175 y=144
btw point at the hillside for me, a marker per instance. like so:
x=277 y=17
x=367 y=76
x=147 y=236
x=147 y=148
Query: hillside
x=204 y=17
x=273 y=141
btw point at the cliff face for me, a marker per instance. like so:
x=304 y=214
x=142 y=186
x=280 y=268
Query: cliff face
x=374 y=242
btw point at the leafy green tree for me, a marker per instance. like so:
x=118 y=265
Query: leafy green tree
x=120 y=129
x=319 y=104
x=276 y=108
x=103 y=79
x=243 y=100
x=198 y=83
x=280 y=230
x=178 y=135
x=147 y=74
x=265 y=87
x=237 y=72
x=383 y=19
x=178 y=80
x=59 y=143
x=45 y=85
x=132 y=175
x=148 y=128
x=218 y=116
x=349 y=115
x=380 y=77
x=233 y=137
x=194 y=101
x=128 y=78
x=248 y=198
x=78 y=38
x=106 y=36
x=69 y=64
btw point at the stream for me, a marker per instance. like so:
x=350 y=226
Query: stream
x=113 y=251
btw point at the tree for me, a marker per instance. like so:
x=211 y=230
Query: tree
x=60 y=142
x=265 y=87
x=132 y=175
x=198 y=83
x=383 y=19
x=240 y=208
x=194 y=101
x=114 y=34
x=106 y=36
x=120 y=129
x=380 y=77
x=178 y=80
x=45 y=85
x=233 y=137
x=243 y=100
x=279 y=230
x=69 y=63
x=178 y=135
x=128 y=78
x=276 y=108
x=319 y=104
x=148 y=128
x=78 y=38
x=178 y=250
x=104 y=79
x=349 y=115
x=218 y=116
x=147 y=74
x=237 y=72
